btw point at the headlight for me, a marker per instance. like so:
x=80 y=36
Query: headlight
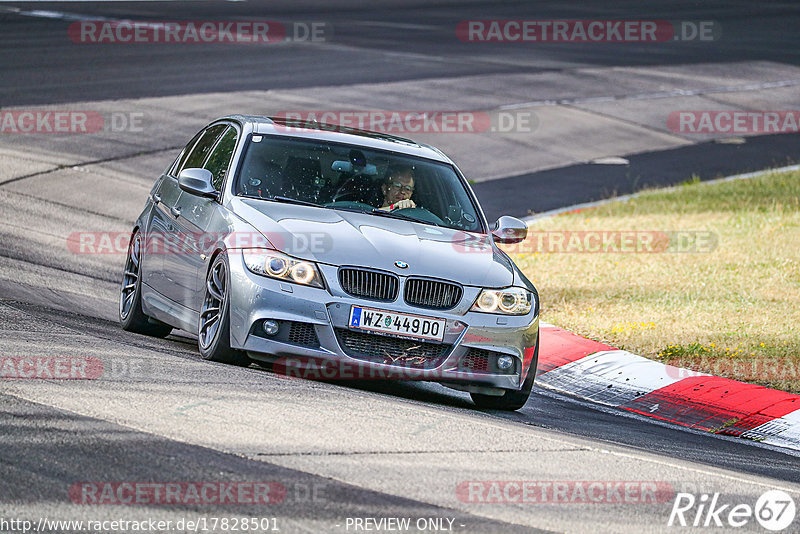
x=508 y=301
x=280 y=266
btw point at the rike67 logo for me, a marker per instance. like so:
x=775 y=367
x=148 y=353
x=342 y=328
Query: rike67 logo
x=774 y=510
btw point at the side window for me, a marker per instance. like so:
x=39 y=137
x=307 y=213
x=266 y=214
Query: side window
x=220 y=158
x=178 y=164
x=201 y=150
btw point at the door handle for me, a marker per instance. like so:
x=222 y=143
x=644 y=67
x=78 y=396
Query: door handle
x=176 y=211
x=156 y=199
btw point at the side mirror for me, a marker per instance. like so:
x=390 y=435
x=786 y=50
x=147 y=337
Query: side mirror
x=197 y=182
x=509 y=230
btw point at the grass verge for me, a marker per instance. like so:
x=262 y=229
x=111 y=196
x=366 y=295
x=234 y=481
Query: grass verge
x=709 y=279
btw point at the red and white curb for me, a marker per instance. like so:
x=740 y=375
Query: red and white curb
x=602 y=374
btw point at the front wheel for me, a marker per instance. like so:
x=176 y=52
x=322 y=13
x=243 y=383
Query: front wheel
x=214 y=326
x=512 y=399
x=131 y=316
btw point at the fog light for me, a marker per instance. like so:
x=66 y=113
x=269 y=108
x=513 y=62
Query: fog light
x=270 y=327
x=505 y=362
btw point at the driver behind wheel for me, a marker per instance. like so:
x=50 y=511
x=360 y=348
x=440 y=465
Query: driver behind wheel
x=398 y=188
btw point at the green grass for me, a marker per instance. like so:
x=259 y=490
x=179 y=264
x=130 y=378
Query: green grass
x=731 y=310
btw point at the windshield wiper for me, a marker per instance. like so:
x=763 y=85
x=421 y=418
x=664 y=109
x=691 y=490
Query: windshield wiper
x=401 y=216
x=288 y=200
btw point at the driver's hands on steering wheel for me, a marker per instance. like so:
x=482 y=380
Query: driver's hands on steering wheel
x=401 y=205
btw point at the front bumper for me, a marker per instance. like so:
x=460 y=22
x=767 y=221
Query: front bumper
x=326 y=313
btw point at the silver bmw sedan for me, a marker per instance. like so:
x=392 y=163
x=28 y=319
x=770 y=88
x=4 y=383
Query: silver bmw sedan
x=327 y=252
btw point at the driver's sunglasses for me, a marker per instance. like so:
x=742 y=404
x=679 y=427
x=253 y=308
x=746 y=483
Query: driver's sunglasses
x=398 y=185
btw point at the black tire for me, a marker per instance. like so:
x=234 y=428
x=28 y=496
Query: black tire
x=214 y=323
x=131 y=316
x=512 y=399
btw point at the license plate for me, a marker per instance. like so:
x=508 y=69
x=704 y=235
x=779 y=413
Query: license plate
x=403 y=324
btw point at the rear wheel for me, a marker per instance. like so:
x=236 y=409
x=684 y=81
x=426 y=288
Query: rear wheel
x=512 y=399
x=214 y=326
x=131 y=316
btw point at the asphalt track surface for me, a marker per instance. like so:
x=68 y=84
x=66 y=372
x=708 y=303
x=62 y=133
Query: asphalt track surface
x=45 y=70
x=375 y=449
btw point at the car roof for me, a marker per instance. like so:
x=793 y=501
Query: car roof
x=340 y=134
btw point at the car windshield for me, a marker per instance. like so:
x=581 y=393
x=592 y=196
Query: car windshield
x=349 y=177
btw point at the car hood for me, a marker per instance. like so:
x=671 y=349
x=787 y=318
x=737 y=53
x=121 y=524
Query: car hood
x=337 y=237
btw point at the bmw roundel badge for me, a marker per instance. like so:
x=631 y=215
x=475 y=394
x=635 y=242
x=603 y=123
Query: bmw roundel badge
x=401 y=264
